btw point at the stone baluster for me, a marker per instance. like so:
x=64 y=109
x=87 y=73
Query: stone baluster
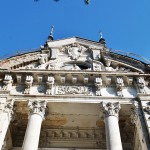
x=7 y=111
x=113 y=139
x=36 y=116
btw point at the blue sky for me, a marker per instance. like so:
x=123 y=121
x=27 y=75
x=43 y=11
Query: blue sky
x=25 y=24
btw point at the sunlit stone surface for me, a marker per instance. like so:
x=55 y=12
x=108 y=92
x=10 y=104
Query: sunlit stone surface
x=74 y=94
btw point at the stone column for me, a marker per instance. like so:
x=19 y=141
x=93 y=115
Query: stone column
x=113 y=139
x=5 y=118
x=36 y=116
x=142 y=140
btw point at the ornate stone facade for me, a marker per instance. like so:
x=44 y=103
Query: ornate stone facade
x=74 y=94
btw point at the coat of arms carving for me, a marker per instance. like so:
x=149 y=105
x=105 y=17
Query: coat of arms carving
x=75 y=51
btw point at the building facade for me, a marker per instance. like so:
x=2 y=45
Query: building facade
x=74 y=94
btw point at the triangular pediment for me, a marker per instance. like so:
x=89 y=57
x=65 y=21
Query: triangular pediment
x=73 y=54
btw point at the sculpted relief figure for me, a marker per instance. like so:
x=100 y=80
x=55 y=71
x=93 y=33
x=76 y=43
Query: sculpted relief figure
x=108 y=66
x=51 y=67
x=42 y=61
x=97 y=66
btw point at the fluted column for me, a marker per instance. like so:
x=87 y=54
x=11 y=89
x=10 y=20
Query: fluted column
x=5 y=118
x=113 y=139
x=36 y=116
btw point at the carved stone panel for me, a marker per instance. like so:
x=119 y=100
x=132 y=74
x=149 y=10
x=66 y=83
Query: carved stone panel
x=79 y=90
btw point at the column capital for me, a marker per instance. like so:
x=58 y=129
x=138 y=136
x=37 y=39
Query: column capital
x=37 y=107
x=110 y=109
x=8 y=107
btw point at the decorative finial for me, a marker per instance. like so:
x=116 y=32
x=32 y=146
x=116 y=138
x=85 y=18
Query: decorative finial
x=52 y=30
x=102 y=40
x=50 y=37
x=101 y=35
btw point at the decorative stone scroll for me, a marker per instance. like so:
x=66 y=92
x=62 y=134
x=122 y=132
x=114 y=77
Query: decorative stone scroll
x=141 y=84
x=119 y=86
x=110 y=109
x=7 y=82
x=80 y=90
x=37 y=107
x=98 y=85
x=28 y=83
x=50 y=83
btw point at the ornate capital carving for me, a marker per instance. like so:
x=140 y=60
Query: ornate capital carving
x=110 y=109
x=8 y=107
x=135 y=112
x=37 y=107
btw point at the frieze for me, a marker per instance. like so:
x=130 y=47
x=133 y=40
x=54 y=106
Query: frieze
x=79 y=90
x=70 y=135
x=64 y=133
